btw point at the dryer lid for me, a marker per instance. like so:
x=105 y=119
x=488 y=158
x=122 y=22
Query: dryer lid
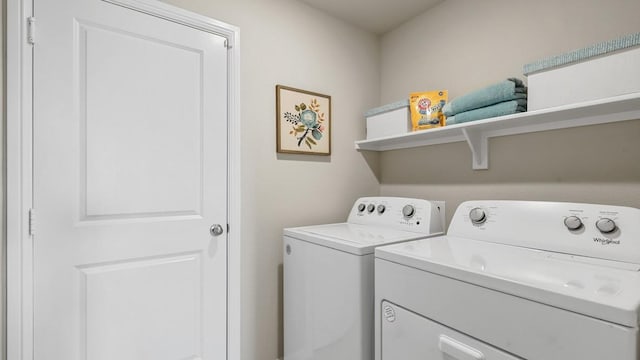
x=602 y=289
x=353 y=238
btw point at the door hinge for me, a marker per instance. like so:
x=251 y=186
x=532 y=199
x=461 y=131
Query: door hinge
x=32 y=222
x=227 y=228
x=31 y=30
x=227 y=44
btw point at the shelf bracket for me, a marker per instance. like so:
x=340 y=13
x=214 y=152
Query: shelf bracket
x=479 y=144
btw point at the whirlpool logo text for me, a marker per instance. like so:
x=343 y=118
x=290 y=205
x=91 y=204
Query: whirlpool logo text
x=605 y=241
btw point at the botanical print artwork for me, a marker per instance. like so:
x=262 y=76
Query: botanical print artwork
x=303 y=121
x=307 y=123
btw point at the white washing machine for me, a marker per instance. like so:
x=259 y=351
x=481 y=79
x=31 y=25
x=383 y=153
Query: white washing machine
x=514 y=280
x=328 y=275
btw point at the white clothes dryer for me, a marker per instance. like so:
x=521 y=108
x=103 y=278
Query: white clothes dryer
x=514 y=280
x=328 y=275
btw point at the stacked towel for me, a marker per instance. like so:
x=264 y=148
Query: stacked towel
x=504 y=98
x=499 y=109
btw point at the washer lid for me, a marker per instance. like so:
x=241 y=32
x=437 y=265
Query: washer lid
x=353 y=238
x=601 y=289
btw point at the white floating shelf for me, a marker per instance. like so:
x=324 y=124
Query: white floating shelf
x=477 y=133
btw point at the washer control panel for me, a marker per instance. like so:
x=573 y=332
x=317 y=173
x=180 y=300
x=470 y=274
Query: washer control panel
x=415 y=215
x=597 y=231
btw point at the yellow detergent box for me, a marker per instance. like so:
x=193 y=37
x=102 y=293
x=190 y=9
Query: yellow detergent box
x=426 y=109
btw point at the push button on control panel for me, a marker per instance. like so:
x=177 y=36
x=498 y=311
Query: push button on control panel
x=371 y=208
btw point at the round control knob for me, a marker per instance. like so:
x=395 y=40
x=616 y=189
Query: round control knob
x=381 y=209
x=371 y=208
x=606 y=225
x=573 y=222
x=477 y=216
x=361 y=207
x=408 y=211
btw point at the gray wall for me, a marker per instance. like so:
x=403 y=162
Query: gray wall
x=462 y=45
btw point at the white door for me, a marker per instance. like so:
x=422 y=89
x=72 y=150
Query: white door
x=130 y=172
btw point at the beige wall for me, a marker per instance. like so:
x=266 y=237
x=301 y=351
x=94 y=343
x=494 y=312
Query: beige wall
x=286 y=42
x=461 y=45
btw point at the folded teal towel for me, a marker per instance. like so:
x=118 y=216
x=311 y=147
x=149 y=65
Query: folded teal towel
x=501 y=109
x=510 y=89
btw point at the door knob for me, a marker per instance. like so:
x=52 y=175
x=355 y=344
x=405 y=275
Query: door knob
x=216 y=230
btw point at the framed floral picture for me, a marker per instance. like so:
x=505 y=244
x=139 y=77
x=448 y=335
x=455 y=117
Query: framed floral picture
x=303 y=121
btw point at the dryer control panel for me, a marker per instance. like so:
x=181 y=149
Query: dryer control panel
x=596 y=231
x=408 y=214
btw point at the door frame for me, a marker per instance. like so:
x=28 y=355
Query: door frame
x=19 y=167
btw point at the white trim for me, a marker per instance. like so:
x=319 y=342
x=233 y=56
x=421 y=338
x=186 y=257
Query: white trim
x=19 y=169
x=234 y=237
x=180 y=16
x=19 y=182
